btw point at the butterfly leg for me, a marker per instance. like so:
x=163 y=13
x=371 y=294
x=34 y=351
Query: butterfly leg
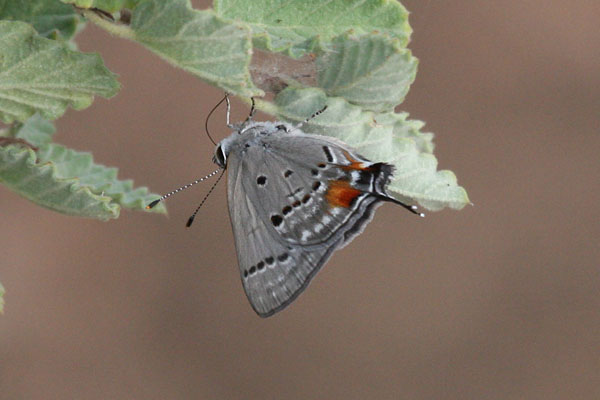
x=252 y=111
x=228 y=109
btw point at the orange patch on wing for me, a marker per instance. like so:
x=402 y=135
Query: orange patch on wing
x=354 y=164
x=341 y=194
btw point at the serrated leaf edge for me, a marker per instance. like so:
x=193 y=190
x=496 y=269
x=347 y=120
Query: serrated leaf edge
x=112 y=209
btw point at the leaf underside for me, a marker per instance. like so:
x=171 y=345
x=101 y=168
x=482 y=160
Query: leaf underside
x=197 y=41
x=296 y=27
x=66 y=180
x=43 y=75
x=39 y=182
x=46 y=16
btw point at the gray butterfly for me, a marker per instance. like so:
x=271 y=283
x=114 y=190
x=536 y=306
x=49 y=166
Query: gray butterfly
x=294 y=198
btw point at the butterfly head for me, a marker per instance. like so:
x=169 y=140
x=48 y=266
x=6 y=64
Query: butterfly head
x=247 y=134
x=221 y=153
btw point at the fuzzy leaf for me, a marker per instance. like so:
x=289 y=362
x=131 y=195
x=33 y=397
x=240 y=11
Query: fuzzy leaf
x=219 y=52
x=65 y=180
x=295 y=27
x=69 y=182
x=106 y=5
x=38 y=74
x=386 y=137
x=373 y=71
x=39 y=182
x=36 y=131
x=46 y=16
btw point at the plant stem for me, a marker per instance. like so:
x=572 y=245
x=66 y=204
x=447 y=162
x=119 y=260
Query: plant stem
x=115 y=29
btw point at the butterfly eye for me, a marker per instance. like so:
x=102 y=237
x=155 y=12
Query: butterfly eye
x=220 y=158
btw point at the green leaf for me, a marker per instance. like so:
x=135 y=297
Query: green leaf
x=110 y=6
x=46 y=16
x=295 y=27
x=386 y=137
x=65 y=180
x=36 y=131
x=198 y=41
x=372 y=71
x=38 y=74
x=21 y=171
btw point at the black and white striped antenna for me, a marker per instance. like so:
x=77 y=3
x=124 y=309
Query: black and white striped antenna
x=155 y=202
x=191 y=219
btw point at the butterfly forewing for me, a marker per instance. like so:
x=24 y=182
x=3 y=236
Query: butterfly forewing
x=309 y=190
x=273 y=273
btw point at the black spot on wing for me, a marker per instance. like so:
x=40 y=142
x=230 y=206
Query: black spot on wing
x=328 y=154
x=276 y=220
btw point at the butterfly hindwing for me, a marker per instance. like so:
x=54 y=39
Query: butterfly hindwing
x=314 y=189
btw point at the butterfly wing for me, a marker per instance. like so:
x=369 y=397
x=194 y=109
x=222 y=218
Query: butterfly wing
x=293 y=200
x=322 y=191
x=273 y=272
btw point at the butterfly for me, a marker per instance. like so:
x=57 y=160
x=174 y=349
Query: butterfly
x=294 y=198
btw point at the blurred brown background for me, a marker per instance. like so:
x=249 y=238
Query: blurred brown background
x=498 y=301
